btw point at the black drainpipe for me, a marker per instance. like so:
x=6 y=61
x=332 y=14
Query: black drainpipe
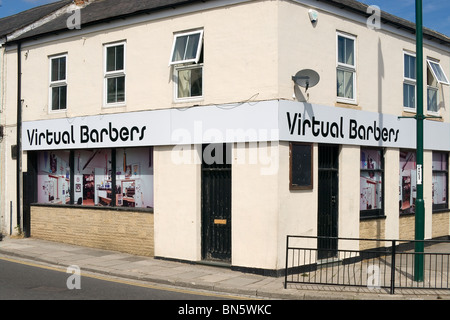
x=19 y=131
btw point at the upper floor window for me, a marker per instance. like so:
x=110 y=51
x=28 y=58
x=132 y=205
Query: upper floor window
x=114 y=74
x=346 y=68
x=58 y=82
x=187 y=47
x=187 y=59
x=435 y=76
x=409 y=81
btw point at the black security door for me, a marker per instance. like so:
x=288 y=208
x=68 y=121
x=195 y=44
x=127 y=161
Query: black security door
x=216 y=202
x=328 y=201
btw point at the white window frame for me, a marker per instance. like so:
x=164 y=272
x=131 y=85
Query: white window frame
x=346 y=67
x=198 y=51
x=57 y=83
x=175 y=80
x=409 y=81
x=440 y=81
x=113 y=74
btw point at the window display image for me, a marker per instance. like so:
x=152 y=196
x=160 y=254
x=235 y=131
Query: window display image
x=134 y=177
x=371 y=179
x=53 y=177
x=440 y=180
x=91 y=173
x=93 y=177
x=407 y=182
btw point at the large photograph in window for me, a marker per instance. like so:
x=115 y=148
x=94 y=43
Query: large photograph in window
x=407 y=181
x=92 y=174
x=440 y=180
x=95 y=182
x=53 y=177
x=134 y=177
x=371 y=181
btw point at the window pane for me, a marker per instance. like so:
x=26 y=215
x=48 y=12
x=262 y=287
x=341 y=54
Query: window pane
x=92 y=174
x=345 y=84
x=134 y=177
x=432 y=95
x=192 y=46
x=115 y=58
x=119 y=57
x=110 y=59
x=120 y=85
x=439 y=187
x=300 y=166
x=371 y=190
x=62 y=68
x=53 y=177
x=59 y=98
x=407 y=181
x=58 y=71
x=409 y=95
x=111 y=87
x=440 y=161
x=55 y=98
x=180 y=48
x=189 y=83
x=440 y=75
x=410 y=66
x=116 y=89
x=346 y=49
x=371 y=159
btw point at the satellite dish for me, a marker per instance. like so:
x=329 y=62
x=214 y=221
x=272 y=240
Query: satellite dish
x=306 y=78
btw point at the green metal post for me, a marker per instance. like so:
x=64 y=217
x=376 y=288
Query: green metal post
x=420 y=206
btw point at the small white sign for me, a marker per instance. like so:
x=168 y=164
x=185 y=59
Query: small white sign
x=419 y=174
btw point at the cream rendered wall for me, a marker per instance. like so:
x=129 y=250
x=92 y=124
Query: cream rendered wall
x=391 y=193
x=349 y=192
x=177 y=212
x=254 y=213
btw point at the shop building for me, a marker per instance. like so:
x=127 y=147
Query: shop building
x=176 y=129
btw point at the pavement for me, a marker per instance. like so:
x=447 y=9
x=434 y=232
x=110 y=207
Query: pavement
x=223 y=281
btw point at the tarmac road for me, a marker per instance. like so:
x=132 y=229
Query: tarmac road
x=28 y=281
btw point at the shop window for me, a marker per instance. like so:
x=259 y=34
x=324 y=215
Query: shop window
x=134 y=177
x=92 y=177
x=409 y=81
x=407 y=181
x=440 y=181
x=54 y=177
x=94 y=181
x=58 y=83
x=114 y=74
x=346 y=68
x=300 y=166
x=371 y=182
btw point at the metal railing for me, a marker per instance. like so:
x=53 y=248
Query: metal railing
x=371 y=263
